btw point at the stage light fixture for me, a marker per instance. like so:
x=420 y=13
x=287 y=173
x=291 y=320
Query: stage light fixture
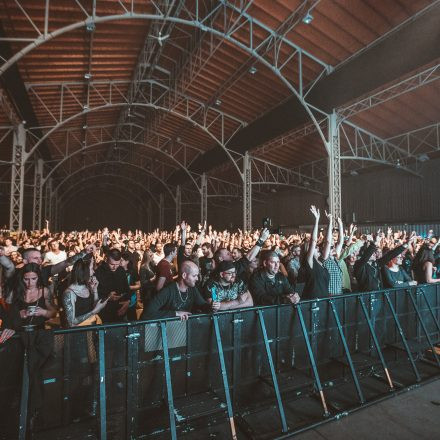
x=308 y=18
x=253 y=70
x=354 y=173
x=218 y=102
x=423 y=157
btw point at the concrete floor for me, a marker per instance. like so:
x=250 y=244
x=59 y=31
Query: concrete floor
x=408 y=416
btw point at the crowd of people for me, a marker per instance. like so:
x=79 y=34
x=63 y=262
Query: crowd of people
x=82 y=278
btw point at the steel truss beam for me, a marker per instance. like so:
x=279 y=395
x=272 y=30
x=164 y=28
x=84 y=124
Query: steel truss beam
x=109 y=94
x=17 y=179
x=334 y=167
x=8 y=110
x=427 y=76
x=265 y=173
x=38 y=196
x=282 y=56
x=49 y=200
x=175 y=153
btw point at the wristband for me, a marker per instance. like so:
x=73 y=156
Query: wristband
x=259 y=242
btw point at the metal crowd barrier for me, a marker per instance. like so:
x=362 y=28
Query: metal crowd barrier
x=264 y=372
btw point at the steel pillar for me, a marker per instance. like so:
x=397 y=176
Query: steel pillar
x=178 y=205
x=161 y=211
x=17 y=179
x=247 y=193
x=204 y=200
x=38 y=196
x=334 y=166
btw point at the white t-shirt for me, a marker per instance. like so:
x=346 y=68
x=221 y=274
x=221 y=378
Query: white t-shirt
x=52 y=258
x=157 y=258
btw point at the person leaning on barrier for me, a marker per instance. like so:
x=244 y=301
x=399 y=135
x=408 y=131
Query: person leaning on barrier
x=367 y=268
x=225 y=291
x=269 y=286
x=395 y=276
x=180 y=298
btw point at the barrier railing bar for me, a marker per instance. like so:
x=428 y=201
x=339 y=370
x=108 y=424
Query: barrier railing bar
x=402 y=336
x=312 y=359
x=24 y=400
x=236 y=357
x=376 y=343
x=102 y=391
x=347 y=352
x=66 y=405
x=272 y=372
x=132 y=379
x=425 y=330
x=224 y=377
x=170 y=398
x=430 y=309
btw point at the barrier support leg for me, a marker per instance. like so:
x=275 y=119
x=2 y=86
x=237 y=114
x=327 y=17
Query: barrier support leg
x=376 y=343
x=425 y=330
x=102 y=392
x=402 y=336
x=166 y=359
x=312 y=359
x=272 y=371
x=132 y=381
x=24 y=400
x=430 y=309
x=224 y=377
x=347 y=353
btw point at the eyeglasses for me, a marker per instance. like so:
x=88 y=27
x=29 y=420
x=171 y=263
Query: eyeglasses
x=229 y=273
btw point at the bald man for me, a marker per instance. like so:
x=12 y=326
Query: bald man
x=180 y=298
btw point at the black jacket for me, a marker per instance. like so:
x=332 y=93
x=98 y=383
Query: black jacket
x=266 y=291
x=368 y=275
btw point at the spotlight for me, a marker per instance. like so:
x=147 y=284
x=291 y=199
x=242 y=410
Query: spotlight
x=423 y=157
x=308 y=18
x=218 y=102
x=88 y=75
x=398 y=163
x=306 y=183
x=86 y=107
x=253 y=70
x=354 y=173
x=84 y=127
x=90 y=26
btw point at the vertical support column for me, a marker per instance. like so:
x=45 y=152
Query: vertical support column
x=17 y=179
x=38 y=195
x=161 y=211
x=149 y=217
x=204 y=200
x=178 y=205
x=334 y=167
x=247 y=193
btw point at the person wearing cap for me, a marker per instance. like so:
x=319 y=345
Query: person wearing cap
x=225 y=290
x=269 y=286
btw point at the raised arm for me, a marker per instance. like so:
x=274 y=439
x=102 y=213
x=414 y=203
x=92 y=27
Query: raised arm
x=183 y=236
x=314 y=237
x=252 y=254
x=340 y=238
x=329 y=238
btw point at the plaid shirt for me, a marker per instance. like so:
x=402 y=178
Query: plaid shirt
x=335 y=282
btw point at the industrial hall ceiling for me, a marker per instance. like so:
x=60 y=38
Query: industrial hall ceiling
x=165 y=94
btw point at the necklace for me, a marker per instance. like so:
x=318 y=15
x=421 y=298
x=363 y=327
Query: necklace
x=183 y=301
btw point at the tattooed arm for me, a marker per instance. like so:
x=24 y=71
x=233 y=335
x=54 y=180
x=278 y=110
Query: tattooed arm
x=69 y=299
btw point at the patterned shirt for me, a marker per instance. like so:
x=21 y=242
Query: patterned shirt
x=218 y=292
x=335 y=282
